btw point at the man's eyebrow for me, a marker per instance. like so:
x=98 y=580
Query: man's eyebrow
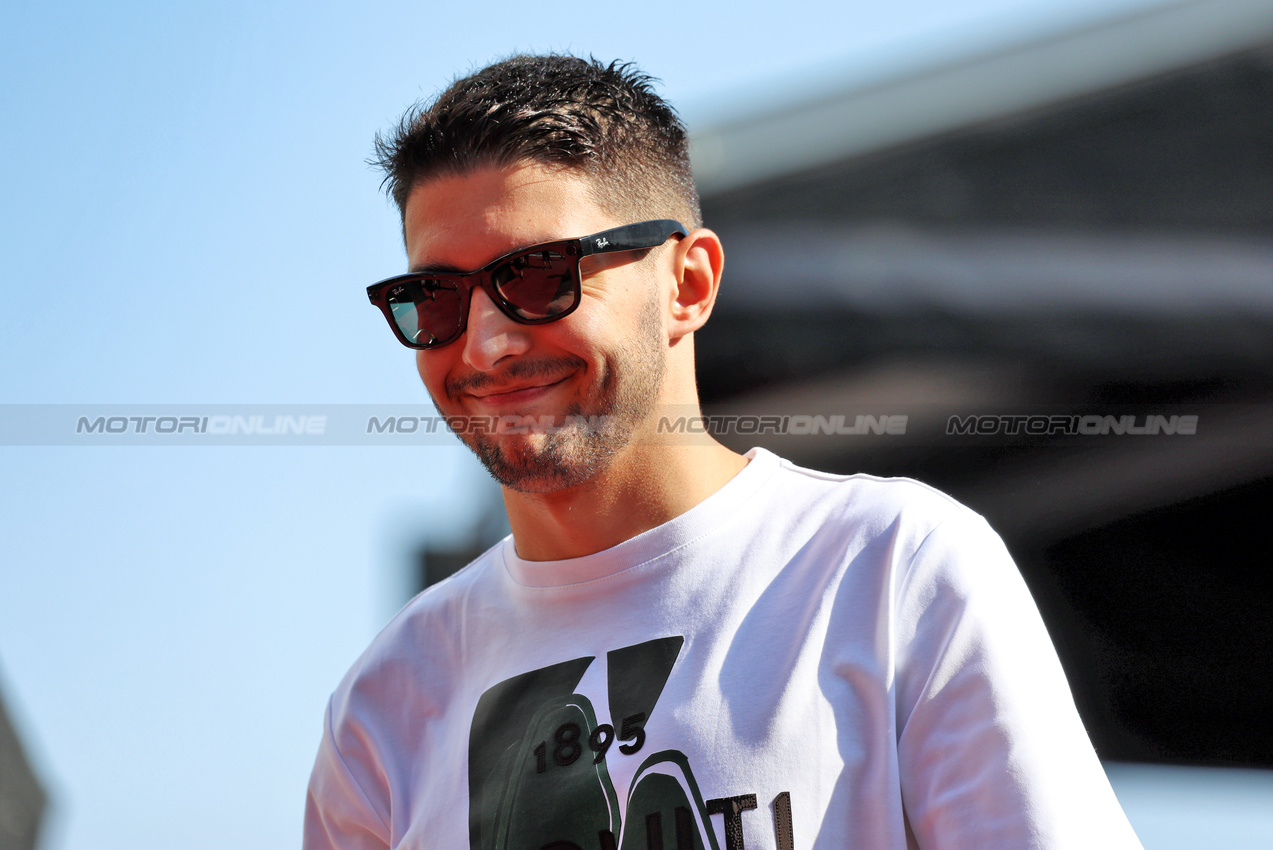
x=434 y=268
x=443 y=268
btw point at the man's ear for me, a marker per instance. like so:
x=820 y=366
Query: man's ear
x=698 y=263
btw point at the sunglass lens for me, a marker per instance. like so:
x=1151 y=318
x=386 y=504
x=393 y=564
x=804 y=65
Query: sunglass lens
x=428 y=312
x=537 y=285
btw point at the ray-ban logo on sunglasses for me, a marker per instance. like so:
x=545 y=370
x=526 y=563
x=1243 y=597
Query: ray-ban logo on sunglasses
x=603 y=242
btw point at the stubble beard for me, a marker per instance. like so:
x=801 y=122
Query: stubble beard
x=591 y=433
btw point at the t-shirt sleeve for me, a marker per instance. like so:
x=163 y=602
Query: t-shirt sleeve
x=339 y=815
x=991 y=750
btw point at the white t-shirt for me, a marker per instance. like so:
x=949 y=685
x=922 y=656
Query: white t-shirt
x=800 y=661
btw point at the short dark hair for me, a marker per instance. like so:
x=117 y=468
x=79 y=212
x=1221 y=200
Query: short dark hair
x=602 y=120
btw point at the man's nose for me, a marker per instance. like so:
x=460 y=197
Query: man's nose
x=491 y=336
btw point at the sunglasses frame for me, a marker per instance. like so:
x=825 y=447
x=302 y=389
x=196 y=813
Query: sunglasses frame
x=629 y=237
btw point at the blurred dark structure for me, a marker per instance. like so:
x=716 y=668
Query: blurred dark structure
x=437 y=559
x=22 y=800
x=1079 y=225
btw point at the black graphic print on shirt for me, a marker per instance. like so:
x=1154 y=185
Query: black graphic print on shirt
x=538 y=753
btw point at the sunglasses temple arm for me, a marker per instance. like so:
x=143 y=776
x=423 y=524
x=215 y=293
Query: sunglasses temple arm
x=647 y=234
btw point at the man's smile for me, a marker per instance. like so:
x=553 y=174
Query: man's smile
x=521 y=382
x=515 y=393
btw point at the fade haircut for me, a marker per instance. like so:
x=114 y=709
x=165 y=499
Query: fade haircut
x=604 y=121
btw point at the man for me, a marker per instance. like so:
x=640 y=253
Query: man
x=679 y=646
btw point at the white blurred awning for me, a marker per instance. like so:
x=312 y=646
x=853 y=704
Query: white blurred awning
x=995 y=271
x=945 y=97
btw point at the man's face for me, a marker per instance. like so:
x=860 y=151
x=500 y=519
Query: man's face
x=606 y=359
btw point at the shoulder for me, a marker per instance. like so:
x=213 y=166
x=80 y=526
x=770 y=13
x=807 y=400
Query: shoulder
x=903 y=509
x=899 y=493
x=413 y=662
x=418 y=650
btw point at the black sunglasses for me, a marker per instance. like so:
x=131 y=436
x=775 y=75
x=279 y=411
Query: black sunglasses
x=531 y=286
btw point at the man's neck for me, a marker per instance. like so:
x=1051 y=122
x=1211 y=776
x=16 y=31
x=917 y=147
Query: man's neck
x=641 y=489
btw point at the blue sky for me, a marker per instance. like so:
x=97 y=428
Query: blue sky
x=188 y=219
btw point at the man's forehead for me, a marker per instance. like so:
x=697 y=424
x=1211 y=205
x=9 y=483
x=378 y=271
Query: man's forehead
x=452 y=221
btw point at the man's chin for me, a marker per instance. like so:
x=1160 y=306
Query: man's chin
x=534 y=463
